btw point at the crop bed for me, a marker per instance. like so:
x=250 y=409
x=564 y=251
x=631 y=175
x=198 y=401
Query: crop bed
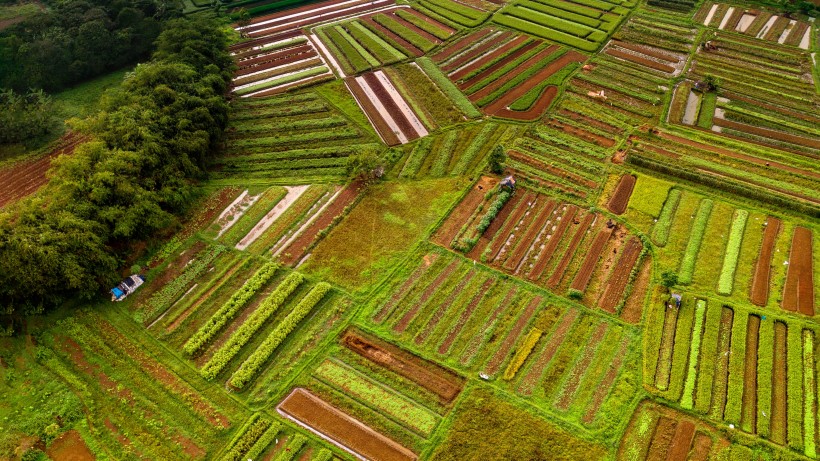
x=755 y=23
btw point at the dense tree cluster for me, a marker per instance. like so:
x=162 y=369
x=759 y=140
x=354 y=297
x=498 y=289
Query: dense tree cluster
x=73 y=40
x=23 y=115
x=151 y=139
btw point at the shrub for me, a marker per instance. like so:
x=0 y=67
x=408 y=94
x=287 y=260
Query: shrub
x=267 y=438
x=522 y=353
x=246 y=331
x=254 y=363
x=572 y=293
x=687 y=266
x=727 y=273
x=229 y=310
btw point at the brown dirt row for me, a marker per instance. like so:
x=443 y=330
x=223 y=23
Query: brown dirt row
x=664 y=365
x=244 y=48
x=647 y=51
x=431 y=324
x=533 y=112
x=545 y=184
x=488 y=57
x=390 y=106
x=549 y=248
x=489 y=234
x=778 y=109
x=535 y=372
x=475 y=343
x=662 y=439
x=555 y=171
x=283 y=89
x=286 y=56
x=661 y=151
x=684 y=434
x=512 y=337
x=573 y=381
x=522 y=89
x=414 y=28
x=70 y=446
x=296 y=250
x=487 y=47
x=614 y=130
x=602 y=390
x=620 y=198
x=437 y=379
x=798 y=292
x=720 y=383
x=558 y=273
x=501 y=81
x=768 y=133
x=515 y=260
x=514 y=237
x=593 y=256
x=460 y=44
x=640 y=61
x=409 y=47
x=617 y=282
x=388 y=307
x=430 y=20
x=268 y=29
x=701 y=447
x=759 y=293
x=749 y=399
x=501 y=237
x=372 y=113
x=291 y=11
x=472 y=81
x=408 y=316
x=633 y=308
x=448 y=231
x=327 y=420
x=779 y=385
x=594 y=138
x=276 y=22
x=266 y=70
x=465 y=316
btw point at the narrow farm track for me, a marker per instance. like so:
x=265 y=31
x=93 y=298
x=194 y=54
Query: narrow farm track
x=798 y=292
x=759 y=293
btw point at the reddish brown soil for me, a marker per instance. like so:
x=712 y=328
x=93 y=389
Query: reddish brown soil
x=372 y=113
x=485 y=48
x=555 y=171
x=70 y=447
x=633 y=308
x=591 y=122
x=547 y=185
x=768 y=133
x=701 y=447
x=24 y=178
x=189 y=447
x=392 y=108
x=591 y=260
x=798 y=292
x=444 y=348
x=662 y=439
x=206 y=213
x=534 y=374
x=664 y=152
x=475 y=343
x=449 y=229
x=573 y=381
x=472 y=81
x=488 y=57
x=512 y=337
x=647 y=51
x=438 y=380
x=324 y=418
x=582 y=133
x=277 y=58
x=429 y=20
x=501 y=237
x=388 y=307
x=684 y=434
x=294 y=253
x=264 y=30
x=552 y=243
x=460 y=44
x=489 y=234
x=749 y=409
x=498 y=83
x=409 y=47
x=720 y=383
x=620 y=198
x=569 y=253
x=421 y=337
x=759 y=293
x=515 y=235
x=291 y=11
x=779 y=385
x=603 y=388
x=285 y=89
x=514 y=261
x=616 y=285
x=246 y=48
x=414 y=28
x=408 y=317
x=639 y=60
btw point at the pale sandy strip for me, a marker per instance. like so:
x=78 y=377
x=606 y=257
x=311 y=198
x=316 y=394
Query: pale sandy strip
x=405 y=108
x=804 y=42
x=326 y=56
x=766 y=26
x=382 y=111
x=726 y=17
x=709 y=16
x=782 y=39
x=294 y=192
x=307 y=223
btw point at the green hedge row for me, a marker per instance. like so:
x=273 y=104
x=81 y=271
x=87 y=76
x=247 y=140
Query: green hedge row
x=687 y=399
x=247 y=438
x=730 y=258
x=698 y=229
x=660 y=233
x=292 y=448
x=385 y=52
x=228 y=311
x=267 y=438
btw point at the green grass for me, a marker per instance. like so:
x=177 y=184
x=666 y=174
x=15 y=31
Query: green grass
x=650 y=195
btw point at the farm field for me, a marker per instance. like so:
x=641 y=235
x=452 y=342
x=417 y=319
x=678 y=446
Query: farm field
x=447 y=230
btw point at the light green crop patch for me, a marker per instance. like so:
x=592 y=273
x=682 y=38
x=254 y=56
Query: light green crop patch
x=649 y=195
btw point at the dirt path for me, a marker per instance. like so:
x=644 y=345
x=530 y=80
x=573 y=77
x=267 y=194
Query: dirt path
x=779 y=385
x=798 y=292
x=293 y=193
x=759 y=293
x=620 y=198
x=749 y=403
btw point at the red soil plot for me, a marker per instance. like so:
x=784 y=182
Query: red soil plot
x=606 y=383
x=407 y=46
x=70 y=446
x=681 y=441
x=633 y=307
x=582 y=229
x=408 y=316
x=537 y=370
x=430 y=20
x=421 y=337
x=436 y=379
x=662 y=439
x=460 y=45
x=549 y=248
x=759 y=293
x=524 y=243
x=616 y=285
x=340 y=428
x=498 y=65
x=591 y=259
x=372 y=113
x=465 y=316
x=720 y=382
x=501 y=237
x=476 y=52
x=640 y=60
x=779 y=381
x=421 y=32
x=388 y=307
x=489 y=234
x=623 y=191
x=749 y=409
x=300 y=83
x=277 y=58
x=582 y=133
x=498 y=83
x=392 y=108
x=512 y=337
x=249 y=47
x=573 y=381
x=701 y=447
x=296 y=250
x=465 y=208
x=488 y=57
x=798 y=292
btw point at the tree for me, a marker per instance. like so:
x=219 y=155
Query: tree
x=243 y=20
x=668 y=280
x=366 y=165
x=497 y=159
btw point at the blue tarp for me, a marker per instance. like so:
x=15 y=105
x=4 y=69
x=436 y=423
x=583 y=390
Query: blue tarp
x=117 y=292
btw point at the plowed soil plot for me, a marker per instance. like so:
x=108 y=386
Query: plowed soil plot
x=372 y=113
x=552 y=243
x=684 y=434
x=798 y=294
x=749 y=412
x=293 y=253
x=763 y=270
x=620 y=198
x=474 y=53
x=499 y=220
x=640 y=60
x=662 y=439
x=778 y=422
x=498 y=243
x=340 y=428
x=442 y=382
x=447 y=232
x=620 y=276
x=488 y=57
x=558 y=274
x=392 y=108
x=25 y=178
x=664 y=366
x=591 y=260
x=514 y=261
x=495 y=67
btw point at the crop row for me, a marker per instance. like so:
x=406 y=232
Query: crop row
x=660 y=232
x=523 y=352
x=228 y=311
x=696 y=232
x=727 y=273
x=393 y=24
x=257 y=359
x=455 y=12
x=247 y=438
x=448 y=87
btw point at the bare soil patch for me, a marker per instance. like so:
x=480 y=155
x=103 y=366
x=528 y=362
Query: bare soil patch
x=503 y=50
x=555 y=237
x=623 y=191
x=620 y=276
x=448 y=231
x=684 y=434
x=759 y=293
x=372 y=113
x=591 y=259
x=70 y=446
x=472 y=81
x=798 y=293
